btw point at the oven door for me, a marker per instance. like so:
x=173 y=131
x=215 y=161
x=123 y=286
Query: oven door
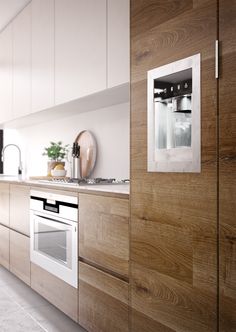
x=54 y=246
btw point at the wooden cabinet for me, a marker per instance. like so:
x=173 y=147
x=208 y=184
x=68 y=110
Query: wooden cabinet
x=118 y=42
x=80 y=48
x=20 y=256
x=173 y=215
x=6 y=74
x=104 y=232
x=22 y=63
x=56 y=291
x=4 y=203
x=227 y=167
x=42 y=37
x=20 y=208
x=4 y=246
x=103 y=301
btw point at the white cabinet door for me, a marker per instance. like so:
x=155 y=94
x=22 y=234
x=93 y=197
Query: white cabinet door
x=6 y=74
x=22 y=63
x=42 y=54
x=118 y=42
x=80 y=48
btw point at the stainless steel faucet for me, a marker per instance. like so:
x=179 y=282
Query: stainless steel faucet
x=20 y=162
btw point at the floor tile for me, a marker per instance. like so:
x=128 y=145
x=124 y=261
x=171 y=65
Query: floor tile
x=23 y=310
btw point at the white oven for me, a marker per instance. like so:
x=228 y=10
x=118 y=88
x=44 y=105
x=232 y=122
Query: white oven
x=54 y=234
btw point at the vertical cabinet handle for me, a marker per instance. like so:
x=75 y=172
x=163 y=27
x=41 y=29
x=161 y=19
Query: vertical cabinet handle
x=217 y=59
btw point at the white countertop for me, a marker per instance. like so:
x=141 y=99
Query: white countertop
x=123 y=188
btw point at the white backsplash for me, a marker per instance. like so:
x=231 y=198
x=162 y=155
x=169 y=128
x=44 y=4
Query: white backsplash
x=110 y=127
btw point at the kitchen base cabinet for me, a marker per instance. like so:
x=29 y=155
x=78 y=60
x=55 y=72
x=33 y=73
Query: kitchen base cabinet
x=103 y=301
x=4 y=246
x=19 y=208
x=56 y=291
x=104 y=232
x=20 y=256
x=4 y=204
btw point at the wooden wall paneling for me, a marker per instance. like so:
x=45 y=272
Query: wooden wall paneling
x=104 y=232
x=227 y=165
x=173 y=216
x=103 y=301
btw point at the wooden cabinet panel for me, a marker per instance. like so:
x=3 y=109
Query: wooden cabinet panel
x=173 y=216
x=20 y=256
x=6 y=74
x=4 y=246
x=56 y=291
x=42 y=54
x=103 y=301
x=20 y=208
x=22 y=63
x=4 y=203
x=118 y=38
x=80 y=48
x=104 y=232
x=227 y=166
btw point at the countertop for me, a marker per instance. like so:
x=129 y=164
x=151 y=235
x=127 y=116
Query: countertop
x=117 y=190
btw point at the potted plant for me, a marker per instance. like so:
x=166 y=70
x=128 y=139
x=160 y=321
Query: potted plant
x=56 y=152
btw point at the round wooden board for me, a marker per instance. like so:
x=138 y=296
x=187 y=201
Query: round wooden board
x=88 y=152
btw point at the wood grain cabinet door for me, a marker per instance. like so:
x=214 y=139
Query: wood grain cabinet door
x=4 y=246
x=104 y=232
x=173 y=215
x=4 y=203
x=103 y=301
x=20 y=208
x=20 y=256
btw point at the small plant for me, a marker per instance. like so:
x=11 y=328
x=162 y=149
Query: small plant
x=56 y=151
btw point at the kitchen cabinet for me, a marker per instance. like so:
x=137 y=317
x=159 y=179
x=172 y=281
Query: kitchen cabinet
x=55 y=290
x=104 y=232
x=4 y=203
x=42 y=37
x=103 y=301
x=117 y=42
x=80 y=48
x=4 y=246
x=22 y=62
x=20 y=256
x=19 y=208
x=6 y=74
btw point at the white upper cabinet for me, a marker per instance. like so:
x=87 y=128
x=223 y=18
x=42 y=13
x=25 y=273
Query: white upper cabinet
x=118 y=42
x=80 y=48
x=42 y=37
x=6 y=74
x=22 y=63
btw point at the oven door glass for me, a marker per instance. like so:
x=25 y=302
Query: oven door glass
x=53 y=238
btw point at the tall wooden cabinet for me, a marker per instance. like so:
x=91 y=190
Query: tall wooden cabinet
x=183 y=225
x=227 y=166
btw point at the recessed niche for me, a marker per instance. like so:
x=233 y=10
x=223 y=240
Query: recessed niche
x=174 y=117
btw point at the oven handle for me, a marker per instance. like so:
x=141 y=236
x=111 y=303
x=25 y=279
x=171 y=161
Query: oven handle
x=52 y=220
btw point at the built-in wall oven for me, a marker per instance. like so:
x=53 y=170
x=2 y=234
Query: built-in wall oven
x=54 y=234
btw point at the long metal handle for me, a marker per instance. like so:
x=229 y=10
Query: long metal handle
x=217 y=59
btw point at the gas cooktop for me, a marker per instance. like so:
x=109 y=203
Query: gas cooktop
x=84 y=181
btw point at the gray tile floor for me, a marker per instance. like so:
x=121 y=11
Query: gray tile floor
x=23 y=310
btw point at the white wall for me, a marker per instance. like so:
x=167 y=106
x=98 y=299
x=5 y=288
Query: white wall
x=110 y=127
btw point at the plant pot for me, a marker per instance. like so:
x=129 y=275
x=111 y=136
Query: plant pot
x=52 y=164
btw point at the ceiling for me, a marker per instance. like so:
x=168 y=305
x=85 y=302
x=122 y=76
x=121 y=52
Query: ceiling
x=9 y=9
